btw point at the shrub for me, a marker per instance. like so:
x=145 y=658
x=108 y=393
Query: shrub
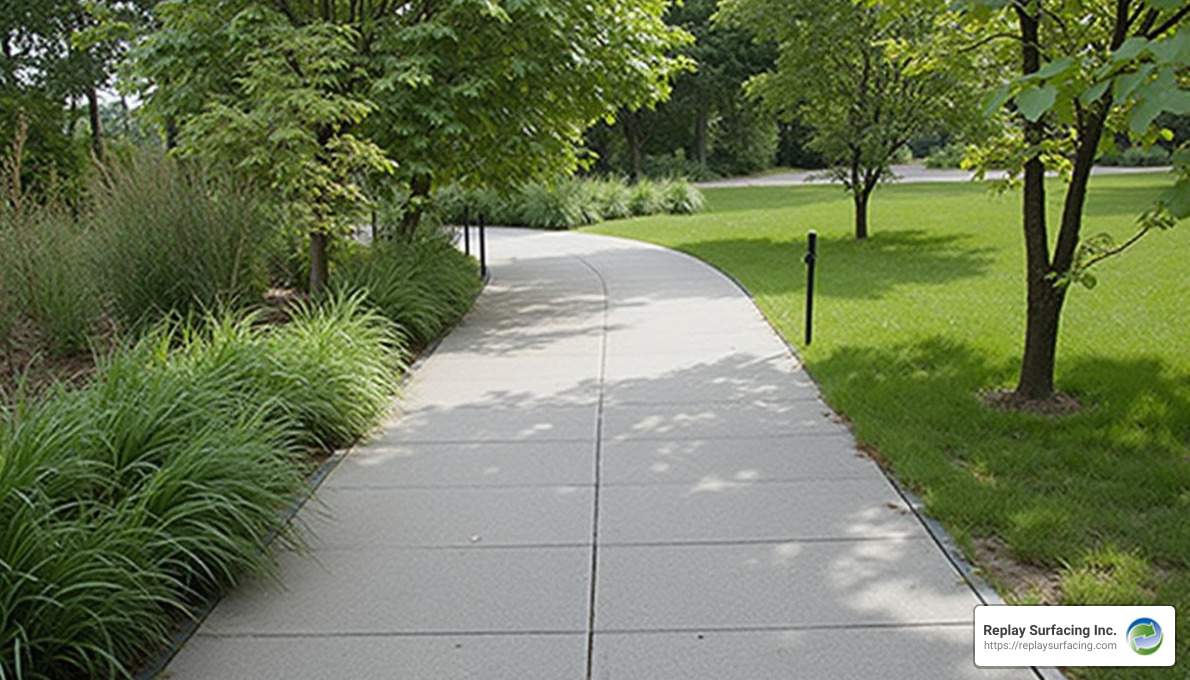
x=336 y=369
x=424 y=286
x=679 y=197
x=644 y=198
x=542 y=208
x=1137 y=156
x=171 y=239
x=613 y=198
x=670 y=166
x=455 y=205
x=46 y=278
x=63 y=294
x=573 y=202
x=946 y=157
x=123 y=503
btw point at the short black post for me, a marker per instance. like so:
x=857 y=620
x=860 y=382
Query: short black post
x=810 y=260
x=483 y=248
x=467 y=232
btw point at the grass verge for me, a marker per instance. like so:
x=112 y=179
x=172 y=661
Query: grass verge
x=913 y=326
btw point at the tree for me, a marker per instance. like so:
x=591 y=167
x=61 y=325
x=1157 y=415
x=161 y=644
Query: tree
x=726 y=57
x=496 y=93
x=270 y=89
x=707 y=118
x=314 y=96
x=862 y=77
x=37 y=80
x=1086 y=70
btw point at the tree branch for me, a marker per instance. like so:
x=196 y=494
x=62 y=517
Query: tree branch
x=1149 y=20
x=1170 y=23
x=1112 y=252
x=987 y=39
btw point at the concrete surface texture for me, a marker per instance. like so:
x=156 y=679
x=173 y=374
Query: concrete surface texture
x=612 y=469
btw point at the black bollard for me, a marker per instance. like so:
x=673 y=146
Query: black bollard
x=483 y=248
x=810 y=260
x=467 y=232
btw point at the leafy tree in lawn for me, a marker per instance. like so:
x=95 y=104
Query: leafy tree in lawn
x=863 y=78
x=1085 y=71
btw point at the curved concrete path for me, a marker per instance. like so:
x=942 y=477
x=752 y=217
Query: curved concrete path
x=612 y=469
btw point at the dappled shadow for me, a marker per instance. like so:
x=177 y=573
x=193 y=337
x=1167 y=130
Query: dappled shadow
x=885 y=261
x=1116 y=472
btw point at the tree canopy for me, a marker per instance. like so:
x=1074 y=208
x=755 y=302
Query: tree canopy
x=866 y=81
x=316 y=95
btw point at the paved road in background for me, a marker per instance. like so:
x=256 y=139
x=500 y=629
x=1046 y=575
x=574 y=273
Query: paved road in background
x=906 y=173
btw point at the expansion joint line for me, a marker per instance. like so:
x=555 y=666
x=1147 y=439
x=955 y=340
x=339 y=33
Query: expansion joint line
x=598 y=469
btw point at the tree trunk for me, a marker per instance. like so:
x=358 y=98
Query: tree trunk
x=318 y=262
x=1044 y=306
x=171 y=133
x=701 y=125
x=635 y=137
x=860 y=192
x=419 y=192
x=96 y=125
x=861 y=213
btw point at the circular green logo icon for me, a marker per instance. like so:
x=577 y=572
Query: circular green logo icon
x=1144 y=636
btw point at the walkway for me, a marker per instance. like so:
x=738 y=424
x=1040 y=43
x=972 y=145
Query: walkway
x=613 y=469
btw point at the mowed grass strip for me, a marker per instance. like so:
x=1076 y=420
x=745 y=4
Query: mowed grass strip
x=915 y=325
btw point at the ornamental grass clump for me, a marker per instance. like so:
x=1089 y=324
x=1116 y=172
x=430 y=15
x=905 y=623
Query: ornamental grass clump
x=571 y=202
x=171 y=239
x=336 y=369
x=125 y=504
x=424 y=285
x=679 y=197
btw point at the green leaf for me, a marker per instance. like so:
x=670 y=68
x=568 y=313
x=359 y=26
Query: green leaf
x=1035 y=101
x=1054 y=68
x=1177 y=199
x=1154 y=99
x=992 y=101
x=1126 y=84
x=1164 y=4
x=1088 y=280
x=1130 y=49
x=1094 y=92
x=1174 y=49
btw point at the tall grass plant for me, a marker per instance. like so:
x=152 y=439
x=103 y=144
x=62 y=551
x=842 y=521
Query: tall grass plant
x=171 y=239
x=424 y=285
x=124 y=503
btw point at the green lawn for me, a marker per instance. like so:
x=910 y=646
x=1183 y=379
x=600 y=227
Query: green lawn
x=913 y=325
